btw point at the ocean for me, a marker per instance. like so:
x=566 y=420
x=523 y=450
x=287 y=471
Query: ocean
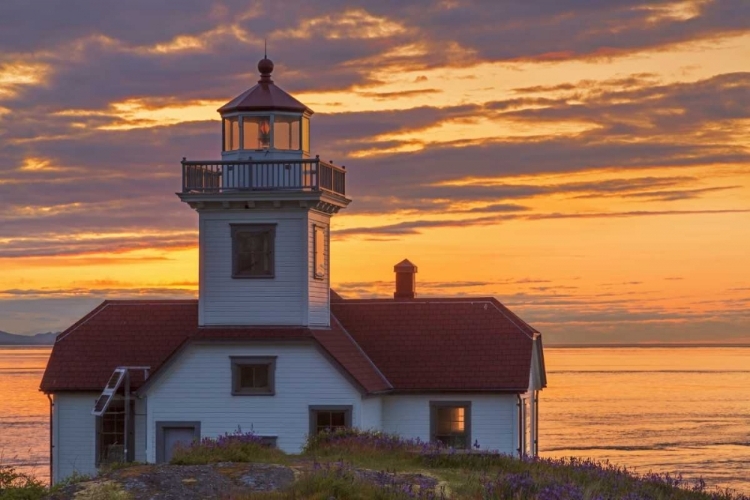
x=663 y=409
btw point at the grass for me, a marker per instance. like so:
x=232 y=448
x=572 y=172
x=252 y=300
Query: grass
x=352 y=464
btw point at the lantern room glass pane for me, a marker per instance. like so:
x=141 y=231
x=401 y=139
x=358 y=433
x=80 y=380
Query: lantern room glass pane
x=305 y=134
x=286 y=132
x=231 y=134
x=256 y=132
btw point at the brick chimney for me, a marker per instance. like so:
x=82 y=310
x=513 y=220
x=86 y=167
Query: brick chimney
x=405 y=280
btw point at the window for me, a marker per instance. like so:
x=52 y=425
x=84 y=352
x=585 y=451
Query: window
x=450 y=423
x=328 y=418
x=319 y=260
x=305 y=134
x=253 y=375
x=256 y=132
x=110 y=435
x=286 y=132
x=253 y=250
x=231 y=134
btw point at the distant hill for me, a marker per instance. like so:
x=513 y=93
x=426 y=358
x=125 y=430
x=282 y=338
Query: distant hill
x=38 y=339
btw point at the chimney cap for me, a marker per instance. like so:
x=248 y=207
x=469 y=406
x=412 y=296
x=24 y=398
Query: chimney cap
x=405 y=266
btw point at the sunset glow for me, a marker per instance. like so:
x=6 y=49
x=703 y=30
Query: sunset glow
x=586 y=164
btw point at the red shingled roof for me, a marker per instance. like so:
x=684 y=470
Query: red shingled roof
x=148 y=333
x=442 y=344
x=382 y=345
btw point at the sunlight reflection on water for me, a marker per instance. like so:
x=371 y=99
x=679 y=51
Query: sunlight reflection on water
x=662 y=409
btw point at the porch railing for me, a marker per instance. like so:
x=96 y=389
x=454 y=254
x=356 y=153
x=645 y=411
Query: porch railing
x=266 y=175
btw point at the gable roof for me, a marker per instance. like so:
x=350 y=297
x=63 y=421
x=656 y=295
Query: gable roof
x=424 y=345
x=382 y=345
x=149 y=333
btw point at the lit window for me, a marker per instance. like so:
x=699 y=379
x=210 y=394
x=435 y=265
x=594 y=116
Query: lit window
x=256 y=132
x=253 y=250
x=286 y=132
x=305 y=134
x=231 y=134
x=253 y=375
x=450 y=423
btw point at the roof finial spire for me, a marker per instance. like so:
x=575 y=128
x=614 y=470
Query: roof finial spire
x=265 y=66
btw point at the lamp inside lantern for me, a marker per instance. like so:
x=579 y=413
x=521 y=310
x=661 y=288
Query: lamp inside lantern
x=264 y=135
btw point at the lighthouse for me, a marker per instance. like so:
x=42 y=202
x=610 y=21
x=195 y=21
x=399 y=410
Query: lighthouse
x=264 y=214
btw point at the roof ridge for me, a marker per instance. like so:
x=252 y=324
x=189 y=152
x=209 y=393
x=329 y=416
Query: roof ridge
x=359 y=347
x=82 y=321
x=469 y=300
x=140 y=302
x=496 y=304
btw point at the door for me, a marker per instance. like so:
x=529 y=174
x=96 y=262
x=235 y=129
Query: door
x=170 y=434
x=174 y=436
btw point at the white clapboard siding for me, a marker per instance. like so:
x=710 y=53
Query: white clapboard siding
x=493 y=418
x=74 y=438
x=198 y=387
x=277 y=301
x=139 y=428
x=319 y=312
x=372 y=413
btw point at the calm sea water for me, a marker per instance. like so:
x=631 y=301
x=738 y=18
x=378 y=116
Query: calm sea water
x=662 y=409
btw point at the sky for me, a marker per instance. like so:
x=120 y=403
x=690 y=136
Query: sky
x=586 y=162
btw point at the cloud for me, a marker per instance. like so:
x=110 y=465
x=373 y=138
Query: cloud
x=417 y=226
x=666 y=195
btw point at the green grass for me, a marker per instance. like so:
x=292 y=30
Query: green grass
x=209 y=451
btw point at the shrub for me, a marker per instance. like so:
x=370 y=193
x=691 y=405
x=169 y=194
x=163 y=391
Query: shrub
x=15 y=485
x=231 y=447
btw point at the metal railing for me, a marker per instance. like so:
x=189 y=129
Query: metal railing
x=269 y=175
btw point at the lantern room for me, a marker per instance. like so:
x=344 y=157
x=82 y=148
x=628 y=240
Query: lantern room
x=265 y=122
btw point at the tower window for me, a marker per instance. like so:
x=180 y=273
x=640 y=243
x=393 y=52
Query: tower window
x=319 y=264
x=256 y=132
x=253 y=250
x=286 y=132
x=231 y=134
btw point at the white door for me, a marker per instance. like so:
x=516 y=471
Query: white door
x=174 y=436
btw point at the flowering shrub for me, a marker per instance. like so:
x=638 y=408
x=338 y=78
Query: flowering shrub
x=492 y=475
x=237 y=446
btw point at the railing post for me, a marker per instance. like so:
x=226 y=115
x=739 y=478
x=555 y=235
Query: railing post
x=184 y=190
x=317 y=172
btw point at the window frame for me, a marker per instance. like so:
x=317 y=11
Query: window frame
x=239 y=361
x=99 y=459
x=313 y=413
x=316 y=261
x=236 y=229
x=466 y=405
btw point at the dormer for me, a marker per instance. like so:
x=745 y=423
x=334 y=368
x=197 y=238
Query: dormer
x=265 y=123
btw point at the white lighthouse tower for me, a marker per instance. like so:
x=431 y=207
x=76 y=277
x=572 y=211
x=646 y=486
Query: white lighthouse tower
x=264 y=214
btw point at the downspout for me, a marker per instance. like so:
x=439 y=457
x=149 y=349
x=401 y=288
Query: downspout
x=51 y=438
x=536 y=423
x=126 y=441
x=520 y=426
